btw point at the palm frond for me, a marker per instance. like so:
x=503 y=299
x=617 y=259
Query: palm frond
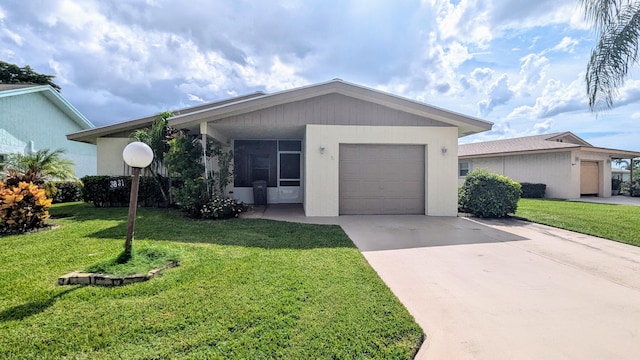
x=610 y=60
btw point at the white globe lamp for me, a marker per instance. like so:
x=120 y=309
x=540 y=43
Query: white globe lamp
x=138 y=155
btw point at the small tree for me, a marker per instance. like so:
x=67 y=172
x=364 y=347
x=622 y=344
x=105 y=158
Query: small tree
x=13 y=74
x=224 y=176
x=485 y=194
x=184 y=160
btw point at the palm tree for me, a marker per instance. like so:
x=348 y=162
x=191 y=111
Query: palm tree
x=41 y=166
x=156 y=137
x=617 y=23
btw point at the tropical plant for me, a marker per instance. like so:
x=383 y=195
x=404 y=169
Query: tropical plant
x=157 y=137
x=23 y=207
x=617 y=23
x=39 y=167
x=184 y=160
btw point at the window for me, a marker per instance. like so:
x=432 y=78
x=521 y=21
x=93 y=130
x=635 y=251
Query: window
x=3 y=159
x=463 y=168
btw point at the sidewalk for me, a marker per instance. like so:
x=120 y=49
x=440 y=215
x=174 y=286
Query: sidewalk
x=616 y=200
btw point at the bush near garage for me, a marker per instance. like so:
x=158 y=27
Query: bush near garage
x=23 y=207
x=533 y=191
x=488 y=195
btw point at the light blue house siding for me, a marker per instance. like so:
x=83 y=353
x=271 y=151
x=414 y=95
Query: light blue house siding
x=37 y=117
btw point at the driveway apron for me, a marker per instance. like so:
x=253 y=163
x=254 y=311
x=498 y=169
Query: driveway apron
x=506 y=289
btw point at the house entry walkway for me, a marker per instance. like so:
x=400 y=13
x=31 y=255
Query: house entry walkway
x=502 y=289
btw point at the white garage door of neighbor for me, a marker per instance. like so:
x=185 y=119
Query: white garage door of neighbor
x=589 y=175
x=382 y=179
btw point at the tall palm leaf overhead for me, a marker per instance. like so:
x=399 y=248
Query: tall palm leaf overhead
x=617 y=23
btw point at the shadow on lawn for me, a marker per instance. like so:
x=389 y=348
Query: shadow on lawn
x=23 y=311
x=171 y=225
x=258 y=233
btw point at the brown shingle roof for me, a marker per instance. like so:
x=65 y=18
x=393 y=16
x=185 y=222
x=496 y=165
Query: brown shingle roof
x=527 y=143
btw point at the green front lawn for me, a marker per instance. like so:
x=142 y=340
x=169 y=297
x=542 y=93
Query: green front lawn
x=614 y=222
x=246 y=289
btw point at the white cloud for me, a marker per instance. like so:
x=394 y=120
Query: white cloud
x=499 y=93
x=468 y=21
x=556 y=98
x=532 y=72
x=567 y=44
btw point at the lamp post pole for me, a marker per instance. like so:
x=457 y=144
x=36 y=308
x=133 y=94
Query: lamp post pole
x=138 y=155
x=133 y=205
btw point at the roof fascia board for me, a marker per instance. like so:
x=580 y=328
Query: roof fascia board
x=517 y=153
x=91 y=135
x=612 y=152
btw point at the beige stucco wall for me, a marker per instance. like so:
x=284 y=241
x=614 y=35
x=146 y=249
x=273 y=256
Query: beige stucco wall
x=110 y=156
x=553 y=169
x=560 y=171
x=321 y=169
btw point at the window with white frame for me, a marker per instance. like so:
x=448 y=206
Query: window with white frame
x=463 y=168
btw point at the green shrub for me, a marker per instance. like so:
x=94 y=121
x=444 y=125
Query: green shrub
x=486 y=194
x=191 y=195
x=23 y=207
x=533 y=191
x=65 y=191
x=222 y=208
x=616 y=184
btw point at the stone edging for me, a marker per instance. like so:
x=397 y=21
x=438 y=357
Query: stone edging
x=79 y=278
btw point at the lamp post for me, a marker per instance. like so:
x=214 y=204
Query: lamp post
x=138 y=155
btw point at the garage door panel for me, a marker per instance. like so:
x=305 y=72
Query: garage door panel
x=589 y=178
x=382 y=179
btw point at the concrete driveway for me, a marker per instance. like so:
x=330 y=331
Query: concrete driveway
x=505 y=289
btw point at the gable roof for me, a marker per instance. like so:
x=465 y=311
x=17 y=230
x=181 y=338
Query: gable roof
x=560 y=141
x=466 y=125
x=7 y=90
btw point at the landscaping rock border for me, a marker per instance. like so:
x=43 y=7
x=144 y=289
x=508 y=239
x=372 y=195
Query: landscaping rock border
x=80 y=278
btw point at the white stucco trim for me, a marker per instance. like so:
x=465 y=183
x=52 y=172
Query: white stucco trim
x=322 y=169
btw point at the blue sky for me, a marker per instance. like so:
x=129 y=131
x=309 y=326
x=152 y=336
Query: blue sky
x=519 y=64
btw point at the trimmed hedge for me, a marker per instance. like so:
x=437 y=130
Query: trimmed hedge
x=66 y=191
x=533 y=191
x=114 y=191
x=486 y=194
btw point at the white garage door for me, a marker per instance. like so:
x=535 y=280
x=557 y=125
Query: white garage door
x=382 y=179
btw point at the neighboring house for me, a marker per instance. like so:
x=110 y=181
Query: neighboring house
x=568 y=165
x=621 y=174
x=335 y=147
x=36 y=117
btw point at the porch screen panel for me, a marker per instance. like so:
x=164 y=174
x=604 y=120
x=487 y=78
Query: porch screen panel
x=255 y=160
